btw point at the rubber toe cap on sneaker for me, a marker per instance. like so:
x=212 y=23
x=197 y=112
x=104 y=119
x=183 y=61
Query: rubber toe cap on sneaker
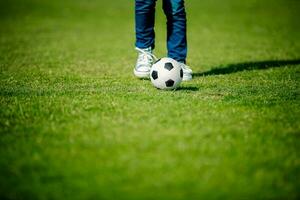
x=143 y=69
x=187 y=77
x=142 y=72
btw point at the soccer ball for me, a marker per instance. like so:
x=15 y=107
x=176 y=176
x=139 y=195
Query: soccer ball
x=166 y=74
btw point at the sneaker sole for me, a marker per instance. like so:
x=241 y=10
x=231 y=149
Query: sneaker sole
x=141 y=74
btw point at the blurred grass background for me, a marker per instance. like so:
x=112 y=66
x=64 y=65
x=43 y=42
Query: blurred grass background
x=76 y=124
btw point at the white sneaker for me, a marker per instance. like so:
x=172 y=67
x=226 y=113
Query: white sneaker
x=144 y=62
x=187 y=72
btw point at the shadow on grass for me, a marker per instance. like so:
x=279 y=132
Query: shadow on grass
x=247 y=66
x=187 y=88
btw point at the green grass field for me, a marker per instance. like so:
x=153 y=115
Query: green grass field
x=76 y=124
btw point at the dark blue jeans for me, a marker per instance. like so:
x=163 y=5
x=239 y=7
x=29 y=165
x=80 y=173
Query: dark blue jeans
x=176 y=26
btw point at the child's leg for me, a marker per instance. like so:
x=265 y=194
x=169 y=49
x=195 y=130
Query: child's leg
x=176 y=29
x=144 y=23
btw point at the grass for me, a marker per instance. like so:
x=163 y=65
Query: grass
x=76 y=124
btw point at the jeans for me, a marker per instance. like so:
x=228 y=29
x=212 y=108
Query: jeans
x=176 y=26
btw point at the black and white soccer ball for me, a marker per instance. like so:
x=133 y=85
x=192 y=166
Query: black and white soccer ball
x=166 y=74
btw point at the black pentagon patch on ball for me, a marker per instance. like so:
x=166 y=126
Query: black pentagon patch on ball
x=154 y=75
x=169 y=66
x=181 y=73
x=169 y=83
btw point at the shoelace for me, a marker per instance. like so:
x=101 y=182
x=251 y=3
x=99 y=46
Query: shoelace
x=145 y=56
